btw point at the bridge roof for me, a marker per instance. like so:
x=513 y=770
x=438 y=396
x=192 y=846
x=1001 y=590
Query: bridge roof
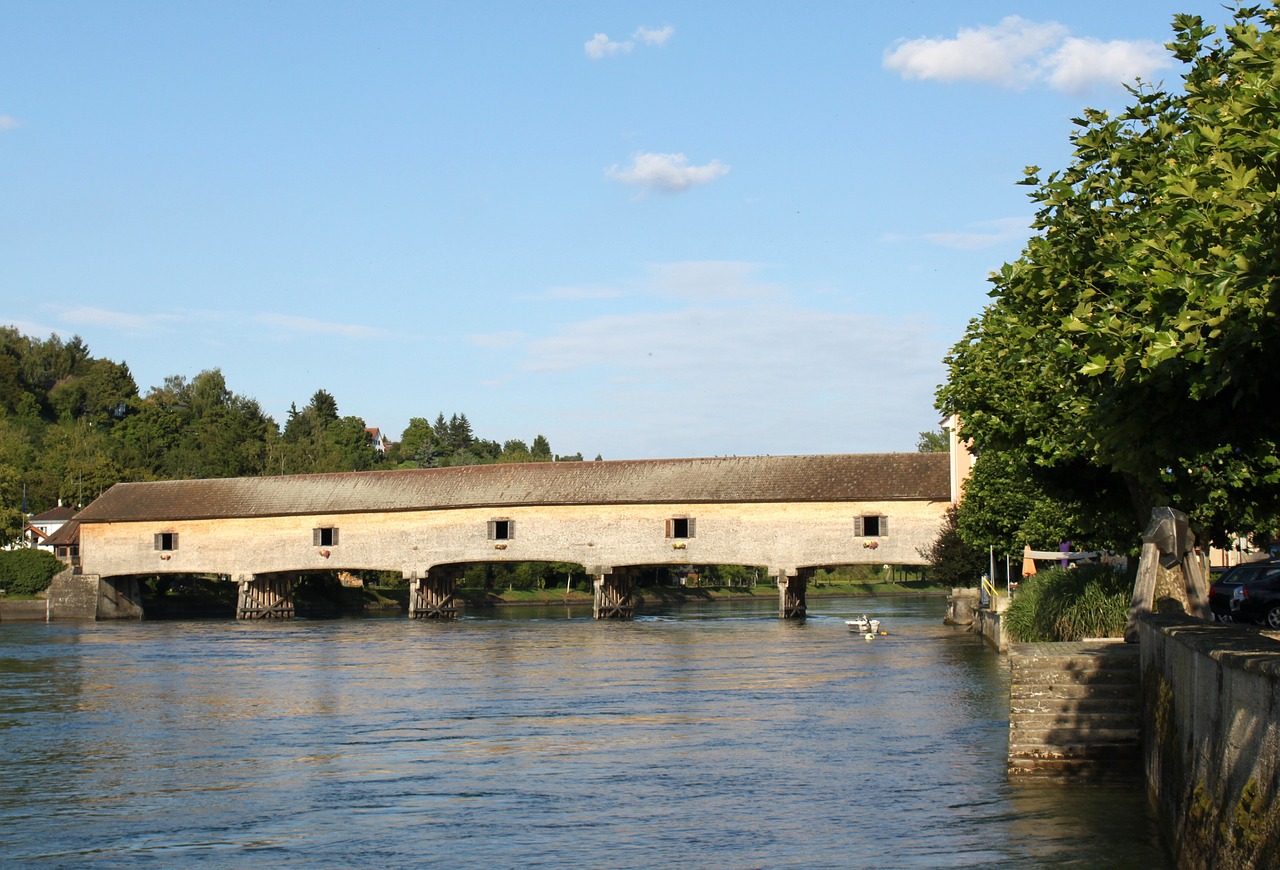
x=739 y=479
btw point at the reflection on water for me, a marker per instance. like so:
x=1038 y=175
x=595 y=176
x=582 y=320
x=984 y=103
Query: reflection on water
x=708 y=736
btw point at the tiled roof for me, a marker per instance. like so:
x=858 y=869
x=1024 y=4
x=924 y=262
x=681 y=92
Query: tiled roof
x=59 y=513
x=848 y=477
x=68 y=533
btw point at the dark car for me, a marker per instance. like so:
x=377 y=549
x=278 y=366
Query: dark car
x=1222 y=588
x=1257 y=597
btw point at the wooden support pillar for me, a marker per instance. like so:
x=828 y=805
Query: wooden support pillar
x=269 y=596
x=613 y=594
x=432 y=596
x=791 y=592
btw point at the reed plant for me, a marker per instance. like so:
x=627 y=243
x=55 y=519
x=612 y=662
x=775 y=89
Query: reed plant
x=1059 y=604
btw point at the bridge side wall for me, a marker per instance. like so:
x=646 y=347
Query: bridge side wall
x=781 y=537
x=1211 y=739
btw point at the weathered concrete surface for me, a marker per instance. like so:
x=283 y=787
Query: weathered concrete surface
x=780 y=537
x=990 y=623
x=73 y=596
x=36 y=610
x=962 y=605
x=1074 y=710
x=1211 y=738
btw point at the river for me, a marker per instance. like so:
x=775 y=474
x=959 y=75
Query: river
x=711 y=736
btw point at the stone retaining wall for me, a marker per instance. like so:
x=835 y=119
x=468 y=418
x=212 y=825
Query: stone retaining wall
x=1211 y=740
x=36 y=610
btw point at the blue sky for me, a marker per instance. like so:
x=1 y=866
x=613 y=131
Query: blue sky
x=640 y=229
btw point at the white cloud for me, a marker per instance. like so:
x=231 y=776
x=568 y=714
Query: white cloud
x=667 y=173
x=8 y=122
x=309 y=326
x=723 y=362
x=1080 y=64
x=87 y=315
x=984 y=235
x=1017 y=53
x=654 y=36
x=710 y=280
x=32 y=328
x=693 y=377
x=601 y=46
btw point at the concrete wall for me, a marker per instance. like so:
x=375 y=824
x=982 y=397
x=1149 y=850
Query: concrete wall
x=1211 y=740
x=73 y=596
x=780 y=537
x=36 y=610
x=989 y=622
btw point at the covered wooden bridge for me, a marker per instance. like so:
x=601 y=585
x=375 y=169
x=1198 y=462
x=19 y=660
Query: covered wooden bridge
x=788 y=514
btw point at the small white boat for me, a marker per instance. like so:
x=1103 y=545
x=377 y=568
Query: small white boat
x=863 y=625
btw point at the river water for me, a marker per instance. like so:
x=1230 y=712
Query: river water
x=713 y=736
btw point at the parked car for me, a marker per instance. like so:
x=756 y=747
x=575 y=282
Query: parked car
x=1257 y=597
x=1223 y=585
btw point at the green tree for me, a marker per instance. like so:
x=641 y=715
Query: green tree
x=416 y=443
x=951 y=560
x=515 y=450
x=934 y=442
x=1010 y=502
x=1135 y=333
x=12 y=520
x=541 y=449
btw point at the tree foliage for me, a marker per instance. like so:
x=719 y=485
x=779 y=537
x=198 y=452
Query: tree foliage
x=951 y=560
x=27 y=571
x=72 y=425
x=938 y=441
x=1136 y=333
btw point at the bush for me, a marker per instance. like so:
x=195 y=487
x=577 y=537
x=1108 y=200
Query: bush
x=1070 y=604
x=27 y=571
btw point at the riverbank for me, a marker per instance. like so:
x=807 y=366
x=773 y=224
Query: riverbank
x=684 y=594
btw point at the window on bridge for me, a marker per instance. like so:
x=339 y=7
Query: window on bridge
x=326 y=537
x=870 y=527
x=680 y=527
x=167 y=541
x=502 y=530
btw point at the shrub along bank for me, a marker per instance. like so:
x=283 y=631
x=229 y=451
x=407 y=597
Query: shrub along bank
x=27 y=572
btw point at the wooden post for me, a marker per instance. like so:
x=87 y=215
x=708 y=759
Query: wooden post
x=791 y=593
x=432 y=596
x=269 y=596
x=613 y=595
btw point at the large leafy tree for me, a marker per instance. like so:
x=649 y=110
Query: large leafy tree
x=1136 y=333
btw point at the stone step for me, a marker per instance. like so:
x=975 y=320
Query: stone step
x=1050 y=739
x=1076 y=769
x=1074 y=722
x=1082 y=705
x=1115 y=747
x=1072 y=691
x=1060 y=676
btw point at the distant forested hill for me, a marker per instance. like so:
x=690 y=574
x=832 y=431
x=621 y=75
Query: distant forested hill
x=71 y=425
